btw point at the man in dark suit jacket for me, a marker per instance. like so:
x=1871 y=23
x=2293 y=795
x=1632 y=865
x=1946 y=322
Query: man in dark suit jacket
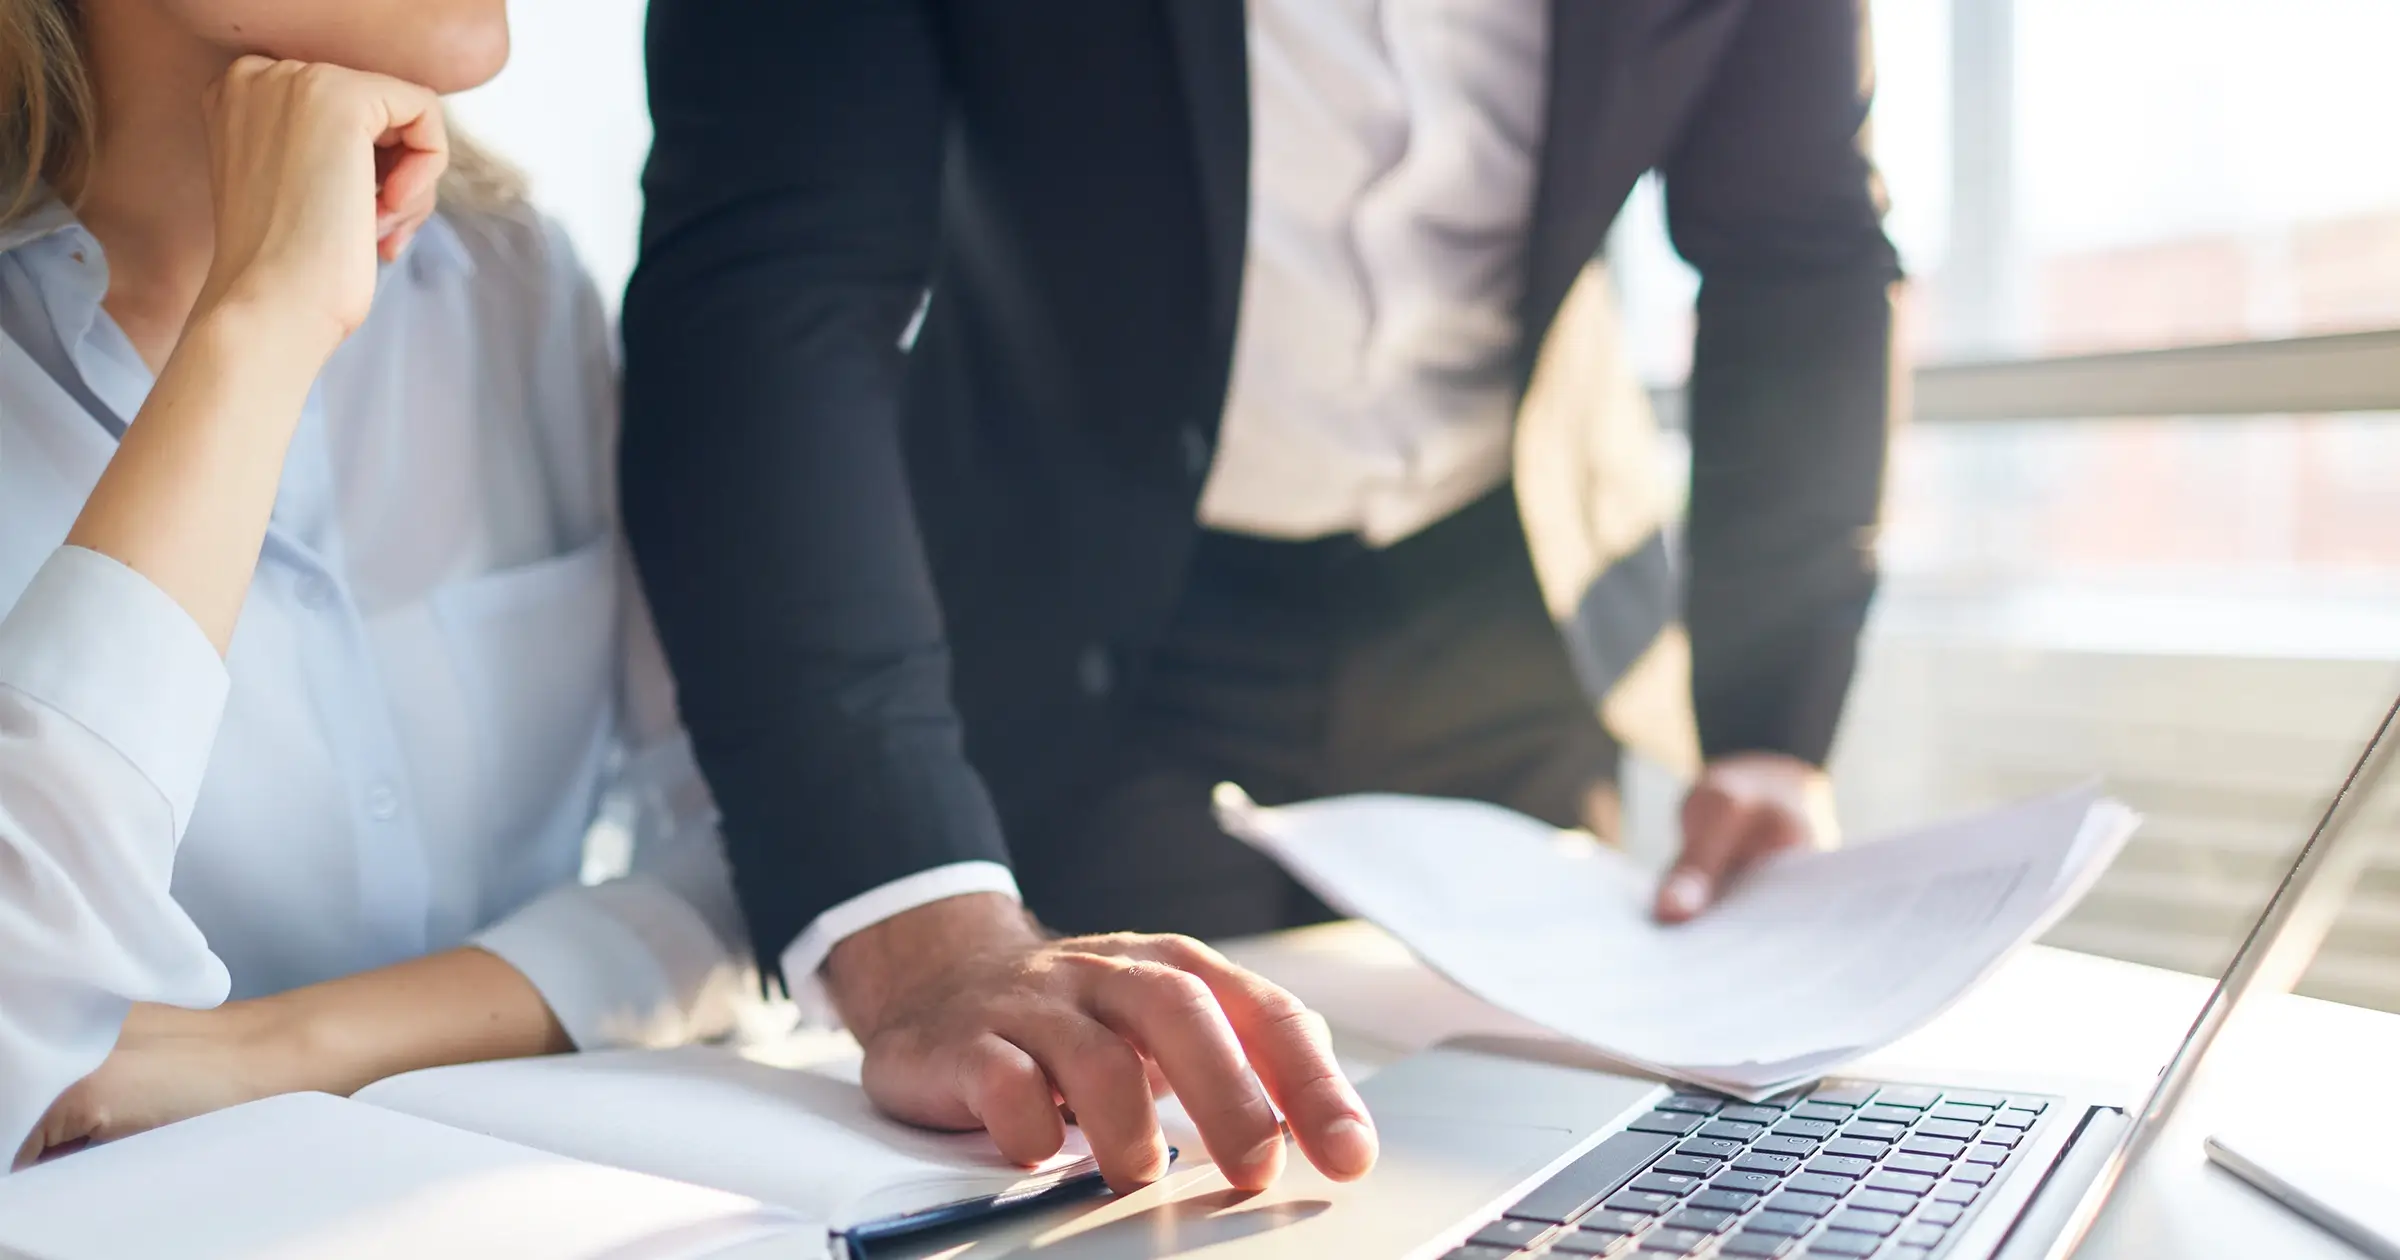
x=1039 y=410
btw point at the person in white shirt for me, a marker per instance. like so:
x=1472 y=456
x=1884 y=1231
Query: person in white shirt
x=316 y=702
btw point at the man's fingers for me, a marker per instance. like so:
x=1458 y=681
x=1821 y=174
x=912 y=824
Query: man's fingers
x=1102 y=1080
x=1174 y=1016
x=1722 y=835
x=1288 y=1047
x=1009 y=1095
x=1714 y=827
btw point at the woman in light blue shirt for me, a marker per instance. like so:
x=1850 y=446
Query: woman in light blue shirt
x=317 y=700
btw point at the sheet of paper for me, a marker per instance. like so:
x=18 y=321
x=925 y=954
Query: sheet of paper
x=314 y=1177
x=797 y=1133
x=1812 y=960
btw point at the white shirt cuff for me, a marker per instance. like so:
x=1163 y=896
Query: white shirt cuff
x=807 y=951
x=623 y=964
x=103 y=646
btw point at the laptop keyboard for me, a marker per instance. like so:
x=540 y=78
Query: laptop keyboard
x=1842 y=1169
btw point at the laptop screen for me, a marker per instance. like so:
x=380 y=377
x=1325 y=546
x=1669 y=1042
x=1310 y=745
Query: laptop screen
x=2276 y=950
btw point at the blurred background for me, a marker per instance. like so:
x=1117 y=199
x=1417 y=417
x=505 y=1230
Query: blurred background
x=2144 y=519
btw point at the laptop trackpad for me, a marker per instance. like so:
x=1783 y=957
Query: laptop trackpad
x=1434 y=1172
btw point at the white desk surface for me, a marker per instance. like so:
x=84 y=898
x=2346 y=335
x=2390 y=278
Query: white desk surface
x=2049 y=1020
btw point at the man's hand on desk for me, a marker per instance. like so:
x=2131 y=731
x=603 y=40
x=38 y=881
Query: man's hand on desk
x=1745 y=807
x=972 y=1018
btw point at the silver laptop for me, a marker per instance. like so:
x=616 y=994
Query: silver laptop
x=1495 y=1149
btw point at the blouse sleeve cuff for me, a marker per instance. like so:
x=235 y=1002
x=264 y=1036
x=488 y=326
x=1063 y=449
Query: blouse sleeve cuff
x=103 y=646
x=621 y=964
x=807 y=952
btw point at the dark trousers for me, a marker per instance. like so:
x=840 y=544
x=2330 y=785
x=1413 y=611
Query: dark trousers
x=1300 y=670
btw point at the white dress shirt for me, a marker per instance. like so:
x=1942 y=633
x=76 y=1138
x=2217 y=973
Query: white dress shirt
x=1392 y=161
x=442 y=672
x=1392 y=166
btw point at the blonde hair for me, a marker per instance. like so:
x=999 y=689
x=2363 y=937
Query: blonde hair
x=48 y=123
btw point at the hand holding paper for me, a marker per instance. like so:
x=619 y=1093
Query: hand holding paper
x=1810 y=960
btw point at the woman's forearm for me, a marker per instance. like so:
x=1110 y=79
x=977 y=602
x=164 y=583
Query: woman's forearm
x=185 y=500
x=458 y=1006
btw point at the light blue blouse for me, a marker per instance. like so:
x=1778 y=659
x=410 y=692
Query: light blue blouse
x=442 y=673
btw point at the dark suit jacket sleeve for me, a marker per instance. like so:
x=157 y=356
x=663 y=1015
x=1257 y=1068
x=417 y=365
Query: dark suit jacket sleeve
x=1771 y=196
x=792 y=205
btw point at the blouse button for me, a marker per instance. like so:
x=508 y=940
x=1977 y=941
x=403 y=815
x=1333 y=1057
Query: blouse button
x=383 y=804
x=316 y=593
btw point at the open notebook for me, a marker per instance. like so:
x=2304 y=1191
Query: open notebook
x=633 y=1155
x=786 y=1124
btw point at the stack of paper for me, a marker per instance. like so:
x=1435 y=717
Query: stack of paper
x=1809 y=961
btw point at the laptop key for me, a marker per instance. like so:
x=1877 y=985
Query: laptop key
x=1649 y=1201
x=1788 y=1224
x=1697 y=1104
x=1841 y=1166
x=1593 y=1176
x=1691 y=1164
x=1949 y=1129
x=1860 y=1222
x=1860 y=1148
x=1723 y=1200
x=1971 y=1098
x=1888 y=1115
x=1944 y=1147
x=1591 y=1242
x=1842 y=1095
x=1814 y=1130
x=1928 y=1165
x=1731 y=1130
x=1821 y=1111
x=1751 y=1243
x=1666 y=1183
x=1941 y=1213
x=1998 y=1136
x=1675 y=1242
x=1709 y=1148
x=1987 y=1153
x=1961 y=1111
x=1748 y=1182
x=1983 y=1159
x=1705 y=1220
x=1672 y=1123
x=2014 y=1118
x=1879 y=1130
x=1843 y=1245
x=1818 y=1183
x=1785 y=1144
x=1959 y=1192
x=1921 y=1235
x=1513 y=1235
x=1481 y=1253
x=1767 y=1162
x=1751 y=1114
x=1883 y=1201
x=1900 y=1182
x=1803 y=1204
x=1615 y=1222
x=1907 y=1096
